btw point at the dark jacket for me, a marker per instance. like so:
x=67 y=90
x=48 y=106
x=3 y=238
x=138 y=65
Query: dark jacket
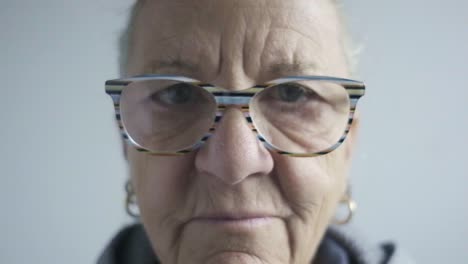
x=131 y=246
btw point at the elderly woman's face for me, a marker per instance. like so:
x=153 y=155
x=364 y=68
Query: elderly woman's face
x=234 y=201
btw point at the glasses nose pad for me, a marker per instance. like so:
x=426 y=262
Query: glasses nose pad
x=217 y=120
x=211 y=130
x=251 y=124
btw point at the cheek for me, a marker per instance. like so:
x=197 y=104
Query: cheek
x=312 y=188
x=312 y=184
x=160 y=183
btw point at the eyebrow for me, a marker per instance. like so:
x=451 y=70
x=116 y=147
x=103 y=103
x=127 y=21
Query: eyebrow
x=158 y=66
x=275 y=69
x=282 y=69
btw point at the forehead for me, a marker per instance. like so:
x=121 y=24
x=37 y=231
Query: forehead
x=209 y=39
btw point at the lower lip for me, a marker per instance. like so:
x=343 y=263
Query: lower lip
x=242 y=223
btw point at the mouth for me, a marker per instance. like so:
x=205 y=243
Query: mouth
x=237 y=222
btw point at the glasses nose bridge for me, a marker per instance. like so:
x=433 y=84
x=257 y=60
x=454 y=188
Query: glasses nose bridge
x=245 y=109
x=221 y=109
x=224 y=103
x=225 y=100
x=241 y=100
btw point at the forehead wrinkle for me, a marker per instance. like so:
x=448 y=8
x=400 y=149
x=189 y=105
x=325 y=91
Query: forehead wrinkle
x=292 y=45
x=292 y=57
x=298 y=52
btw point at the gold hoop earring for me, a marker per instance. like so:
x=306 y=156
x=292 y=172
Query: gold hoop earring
x=131 y=206
x=351 y=205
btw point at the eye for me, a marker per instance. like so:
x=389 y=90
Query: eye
x=180 y=93
x=290 y=93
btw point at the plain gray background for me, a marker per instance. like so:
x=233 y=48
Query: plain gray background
x=62 y=171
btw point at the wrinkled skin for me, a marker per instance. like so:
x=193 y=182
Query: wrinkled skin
x=236 y=44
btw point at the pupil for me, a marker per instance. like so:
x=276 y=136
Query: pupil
x=179 y=94
x=290 y=93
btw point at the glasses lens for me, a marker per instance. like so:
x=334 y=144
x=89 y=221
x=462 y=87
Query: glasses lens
x=166 y=115
x=301 y=117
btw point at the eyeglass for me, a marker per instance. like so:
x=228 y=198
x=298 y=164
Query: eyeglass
x=302 y=116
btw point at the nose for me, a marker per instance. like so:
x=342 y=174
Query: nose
x=233 y=152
